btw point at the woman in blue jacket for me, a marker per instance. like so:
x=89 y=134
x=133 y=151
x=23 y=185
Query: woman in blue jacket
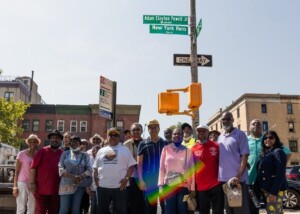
x=271 y=172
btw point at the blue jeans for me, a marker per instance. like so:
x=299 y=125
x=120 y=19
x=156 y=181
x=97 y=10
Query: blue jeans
x=118 y=197
x=174 y=203
x=71 y=203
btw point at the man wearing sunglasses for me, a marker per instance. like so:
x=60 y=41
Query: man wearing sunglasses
x=234 y=151
x=113 y=167
x=135 y=195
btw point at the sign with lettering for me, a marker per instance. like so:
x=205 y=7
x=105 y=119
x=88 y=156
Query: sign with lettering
x=161 y=19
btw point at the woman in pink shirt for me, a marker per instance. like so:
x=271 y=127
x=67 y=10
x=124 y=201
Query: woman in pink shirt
x=176 y=178
x=25 y=198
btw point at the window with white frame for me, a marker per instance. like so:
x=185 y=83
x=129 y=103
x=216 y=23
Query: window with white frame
x=120 y=125
x=73 y=126
x=35 y=125
x=83 y=126
x=26 y=125
x=61 y=125
x=8 y=95
x=49 y=125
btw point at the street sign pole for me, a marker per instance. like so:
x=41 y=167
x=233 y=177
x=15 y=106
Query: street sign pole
x=194 y=65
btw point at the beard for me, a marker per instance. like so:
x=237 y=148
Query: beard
x=54 y=146
x=227 y=128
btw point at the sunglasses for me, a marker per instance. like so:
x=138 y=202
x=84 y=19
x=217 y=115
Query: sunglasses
x=114 y=135
x=270 y=138
x=134 y=130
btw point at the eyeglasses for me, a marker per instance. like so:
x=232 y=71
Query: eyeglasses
x=226 y=119
x=135 y=130
x=270 y=138
x=96 y=139
x=114 y=135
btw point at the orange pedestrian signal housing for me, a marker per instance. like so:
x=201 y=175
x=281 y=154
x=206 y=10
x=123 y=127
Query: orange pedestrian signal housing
x=194 y=96
x=168 y=102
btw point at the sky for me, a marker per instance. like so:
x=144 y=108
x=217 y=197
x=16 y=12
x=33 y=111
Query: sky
x=69 y=44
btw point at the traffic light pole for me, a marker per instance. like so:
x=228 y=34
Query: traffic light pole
x=194 y=65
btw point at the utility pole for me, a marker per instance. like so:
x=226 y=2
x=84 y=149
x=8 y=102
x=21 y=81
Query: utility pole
x=194 y=65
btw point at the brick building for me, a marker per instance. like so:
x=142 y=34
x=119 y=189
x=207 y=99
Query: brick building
x=81 y=120
x=276 y=111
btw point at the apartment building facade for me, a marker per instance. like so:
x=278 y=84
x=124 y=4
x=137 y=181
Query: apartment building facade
x=278 y=112
x=20 y=89
x=81 y=120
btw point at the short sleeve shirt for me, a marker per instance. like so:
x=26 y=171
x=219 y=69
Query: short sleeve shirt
x=112 y=170
x=46 y=162
x=232 y=146
x=25 y=160
x=151 y=158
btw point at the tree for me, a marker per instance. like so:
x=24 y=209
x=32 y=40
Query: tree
x=178 y=126
x=11 y=116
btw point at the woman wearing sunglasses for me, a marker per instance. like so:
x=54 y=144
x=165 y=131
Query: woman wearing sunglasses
x=271 y=172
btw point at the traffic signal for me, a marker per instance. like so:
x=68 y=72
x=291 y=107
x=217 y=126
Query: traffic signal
x=194 y=96
x=168 y=102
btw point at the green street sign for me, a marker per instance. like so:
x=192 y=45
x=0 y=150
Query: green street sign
x=169 y=29
x=161 y=19
x=199 y=27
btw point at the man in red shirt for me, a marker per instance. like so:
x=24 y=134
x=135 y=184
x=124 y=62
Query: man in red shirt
x=44 y=178
x=209 y=189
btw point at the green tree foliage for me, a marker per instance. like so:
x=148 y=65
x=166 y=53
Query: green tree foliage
x=11 y=116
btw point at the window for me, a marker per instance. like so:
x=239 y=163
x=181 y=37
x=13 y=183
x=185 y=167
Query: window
x=291 y=127
x=109 y=124
x=49 y=125
x=293 y=144
x=265 y=126
x=35 y=125
x=61 y=125
x=289 y=108
x=73 y=126
x=8 y=95
x=26 y=125
x=263 y=108
x=83 y=126
x=238 y=113
x=216 y=126
x=120 y=125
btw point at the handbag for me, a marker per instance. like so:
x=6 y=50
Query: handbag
x=66 y=189
x=86 y=181
x=234 y=194
x=191 y=202
x=174 y=178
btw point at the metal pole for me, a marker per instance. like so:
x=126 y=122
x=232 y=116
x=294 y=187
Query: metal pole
x=114 y=104
x=194 y=65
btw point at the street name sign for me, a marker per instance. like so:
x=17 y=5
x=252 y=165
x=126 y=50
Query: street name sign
x=185 y=60
x=199 y=27
x=106 y=98
x=169 y=29
x=162 y=19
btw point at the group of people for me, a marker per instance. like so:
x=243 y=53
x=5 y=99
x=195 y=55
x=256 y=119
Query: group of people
x=136 y=175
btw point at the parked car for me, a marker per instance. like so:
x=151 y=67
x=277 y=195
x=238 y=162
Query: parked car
x=292 y=195
x=7 y=200
x=293 y=172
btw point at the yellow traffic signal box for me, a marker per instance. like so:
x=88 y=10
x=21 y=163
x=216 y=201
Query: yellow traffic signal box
x=194 y=96
x=168 y=102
